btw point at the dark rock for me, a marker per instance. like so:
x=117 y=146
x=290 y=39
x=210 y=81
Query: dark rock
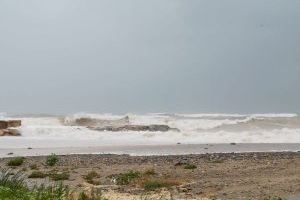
x=10 y=132
x=13 y=132
x=14 y=123
x=92 y=122
x=152 y=128
x=117 y=125
x=2 y=132
x=4 y=124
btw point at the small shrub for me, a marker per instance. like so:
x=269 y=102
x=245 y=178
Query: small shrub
x=126 y=178
x=37 y=174
x=33 y=167
x=52 y=192
x=149 y=172
x=16 y=162
x=151 y=185
x=190 y=166
x=11 y=180
x=13 y=187
x=94 y=195
x=60 y=176
x=91 y=176
x=83 y=196
x=51 y=160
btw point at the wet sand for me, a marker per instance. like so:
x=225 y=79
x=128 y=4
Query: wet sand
x=215 y=176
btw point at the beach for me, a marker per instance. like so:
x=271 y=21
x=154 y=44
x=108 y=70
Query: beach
x=199 y=176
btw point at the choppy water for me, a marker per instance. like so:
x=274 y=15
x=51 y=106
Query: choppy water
x=51 y=131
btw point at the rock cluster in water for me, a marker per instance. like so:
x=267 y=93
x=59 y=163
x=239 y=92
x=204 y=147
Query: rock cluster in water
x=152 y=128
x=10 y=127
x=116 y=125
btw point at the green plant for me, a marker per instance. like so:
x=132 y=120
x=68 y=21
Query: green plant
x=156 y=184
x=94 y=195
x=91 y=176
x=13 y=187
x=51 y=160
x=16 y=162
x=60 y=176
x=10 y=180
x=52 y=192
x=33 y=166
x=216 y=161
x=190 y=166
x=37 y=174
x=149 y=172
x=126 y=178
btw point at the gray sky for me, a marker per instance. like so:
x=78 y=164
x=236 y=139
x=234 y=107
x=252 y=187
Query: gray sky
x=62 y=56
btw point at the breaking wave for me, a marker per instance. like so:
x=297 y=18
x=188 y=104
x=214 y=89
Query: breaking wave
x=194 y=129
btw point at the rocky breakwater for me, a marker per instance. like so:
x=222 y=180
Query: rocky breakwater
x=117 y=125
x=10 y=127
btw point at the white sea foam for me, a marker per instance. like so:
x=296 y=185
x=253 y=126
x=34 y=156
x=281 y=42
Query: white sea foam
x=194 y=129
x=239 y=115
x=2 y=115
x=210 y=115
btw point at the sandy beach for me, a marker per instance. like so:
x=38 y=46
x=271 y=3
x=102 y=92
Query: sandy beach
x=200 y=176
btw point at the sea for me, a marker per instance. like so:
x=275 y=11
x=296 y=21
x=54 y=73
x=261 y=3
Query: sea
x=52 y=131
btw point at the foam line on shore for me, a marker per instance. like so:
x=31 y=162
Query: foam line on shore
x=147 y=150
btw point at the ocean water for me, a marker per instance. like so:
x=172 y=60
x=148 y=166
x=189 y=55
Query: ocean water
x=46 y=131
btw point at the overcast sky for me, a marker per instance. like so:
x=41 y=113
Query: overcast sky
x=66 y=56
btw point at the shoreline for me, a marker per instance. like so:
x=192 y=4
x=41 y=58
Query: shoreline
x=217 y=175
x=149 y=150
